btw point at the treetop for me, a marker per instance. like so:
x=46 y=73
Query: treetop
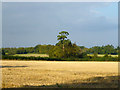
x=64 y=33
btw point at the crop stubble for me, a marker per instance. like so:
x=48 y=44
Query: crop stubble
x=59 y=74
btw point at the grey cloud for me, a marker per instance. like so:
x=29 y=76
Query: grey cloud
x=32 y=23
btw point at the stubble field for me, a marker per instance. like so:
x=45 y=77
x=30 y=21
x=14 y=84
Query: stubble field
x=33 y=55
x=60 y=74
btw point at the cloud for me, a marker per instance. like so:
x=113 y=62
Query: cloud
x=28 y=23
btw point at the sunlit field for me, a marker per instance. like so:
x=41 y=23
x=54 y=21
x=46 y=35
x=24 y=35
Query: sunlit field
x=34 y=55
x=102 y=55
x=59 y=74
x=46 y=55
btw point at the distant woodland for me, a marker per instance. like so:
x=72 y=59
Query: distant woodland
x=46 y=49
x=64 y=48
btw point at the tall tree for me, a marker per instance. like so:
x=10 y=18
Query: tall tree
x=63 y=35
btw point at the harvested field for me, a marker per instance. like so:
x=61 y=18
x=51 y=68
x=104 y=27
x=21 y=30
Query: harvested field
x=34 y=55
x=102 y=55
x=59 y=74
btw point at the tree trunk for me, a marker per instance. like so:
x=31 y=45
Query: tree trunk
x=63 y=47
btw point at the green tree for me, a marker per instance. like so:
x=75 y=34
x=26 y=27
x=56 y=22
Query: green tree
x=95 y=55
x=3 y=52
x=43 y=49
x=63 y=35
x=106 y=55
x=65 y=48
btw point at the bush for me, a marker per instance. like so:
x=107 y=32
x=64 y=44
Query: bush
x=59 y=59
x=70 y=50
x=106 y=55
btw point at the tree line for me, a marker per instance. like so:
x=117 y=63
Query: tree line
x=45 y=49
x=39 y=49
x=64 y=48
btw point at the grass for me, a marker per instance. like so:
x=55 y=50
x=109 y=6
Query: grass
x=102 y=55
x=35 y=55
x=59 y=74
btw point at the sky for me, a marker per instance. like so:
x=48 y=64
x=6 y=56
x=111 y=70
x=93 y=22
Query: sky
x=27 y=24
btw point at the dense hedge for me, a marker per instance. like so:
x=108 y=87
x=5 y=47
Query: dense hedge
x=8 y=57
x=28 y=58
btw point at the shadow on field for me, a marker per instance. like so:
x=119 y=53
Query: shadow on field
x=11 y=66
x=95 y=82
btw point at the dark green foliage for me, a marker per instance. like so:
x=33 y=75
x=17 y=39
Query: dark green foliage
x=29 y=58
x=40 y=49
x=63 y=35
x=21 y=51
x=56 y=52
x=95 y=55
x=9 y=57
x=70 y=50
x=52 y=50
x=3 y=53
x=106 y=55
x=29 y=50
x=43 y=49
x=65 y=48
x=108 y=49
